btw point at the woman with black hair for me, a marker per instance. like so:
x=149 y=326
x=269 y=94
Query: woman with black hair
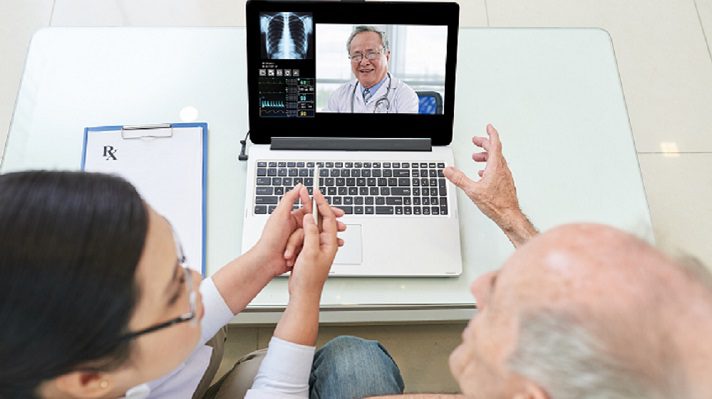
x=96 y=300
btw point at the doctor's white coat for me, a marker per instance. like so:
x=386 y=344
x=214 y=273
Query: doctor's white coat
x=401 y=97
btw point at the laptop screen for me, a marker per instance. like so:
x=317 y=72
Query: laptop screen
x=369 y=69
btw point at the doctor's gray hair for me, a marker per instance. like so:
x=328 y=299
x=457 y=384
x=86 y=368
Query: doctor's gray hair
x=564 y=358
x=367 y=28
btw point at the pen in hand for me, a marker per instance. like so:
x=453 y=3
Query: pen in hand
x=315 y=208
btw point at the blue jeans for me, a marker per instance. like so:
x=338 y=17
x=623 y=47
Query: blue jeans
x=352 y=368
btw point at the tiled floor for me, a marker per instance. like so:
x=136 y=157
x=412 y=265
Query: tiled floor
x=663 y=52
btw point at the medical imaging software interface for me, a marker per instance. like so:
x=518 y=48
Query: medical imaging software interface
x=293 y=83
x=286 y=74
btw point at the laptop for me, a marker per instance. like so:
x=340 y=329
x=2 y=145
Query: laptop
x=364 y=93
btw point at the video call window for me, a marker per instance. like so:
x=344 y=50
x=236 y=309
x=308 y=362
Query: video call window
x=416 y=64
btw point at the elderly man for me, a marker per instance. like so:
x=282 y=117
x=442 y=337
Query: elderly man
x=581 y=311
x=374 y=89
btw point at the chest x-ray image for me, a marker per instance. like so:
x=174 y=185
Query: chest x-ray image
x=287 y=36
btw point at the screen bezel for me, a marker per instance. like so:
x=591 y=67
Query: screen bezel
x=437 y=127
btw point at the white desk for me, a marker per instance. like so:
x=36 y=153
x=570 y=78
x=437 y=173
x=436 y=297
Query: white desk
x=554 y=95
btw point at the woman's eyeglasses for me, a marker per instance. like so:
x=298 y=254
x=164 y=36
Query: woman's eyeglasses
x=190 y=315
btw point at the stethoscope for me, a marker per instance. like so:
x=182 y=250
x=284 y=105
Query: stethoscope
x=383 y=100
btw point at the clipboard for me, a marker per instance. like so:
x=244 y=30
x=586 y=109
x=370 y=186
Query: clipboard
x=167 y=164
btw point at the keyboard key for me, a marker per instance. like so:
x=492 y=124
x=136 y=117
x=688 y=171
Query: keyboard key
x=349 y=210
x=369 y=200
x=401 y=173
x=282 y=164
x=358 y=210
x=272 y=164
x=263 y=181
x=399 y=210
x=279 y=191
x=271 y=209
x=394 y=201
x=404 y=181
x=443 y=209
x=416 y=210
x=396 y=165
x=363 y=191
x=426 y=210
x=260 y=210
x=385 y=191
x=380 y=201
x=367 y=165
x=329 y=164
x=282 y=172
x=407 y=210
x=358 y=200
x=373 y=191
x=431 y=165
x=338 y=164
x=264 y=190
x=261 y=172
x=349 y=165
x=392 y=181
x=400 y=191
x=272 y=172
x=261 y=164
x=441 y=165
x=262 y=200
x=303 y=172
x=348 y=200
x=376 y=165
x=384 y=210
x=434 y=210
x=293 y=172
x=310 y=165
x=368 y=210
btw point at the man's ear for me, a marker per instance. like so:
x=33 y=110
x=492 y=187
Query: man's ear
x=531 y=390
x=84 y=384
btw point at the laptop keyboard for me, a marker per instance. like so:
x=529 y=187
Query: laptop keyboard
x=359 y=188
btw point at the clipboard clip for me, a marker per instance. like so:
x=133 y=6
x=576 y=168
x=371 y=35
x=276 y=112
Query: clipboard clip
x=162 y=130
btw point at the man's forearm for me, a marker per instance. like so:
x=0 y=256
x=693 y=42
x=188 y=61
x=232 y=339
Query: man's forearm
x=242 y=279
x=517 y=227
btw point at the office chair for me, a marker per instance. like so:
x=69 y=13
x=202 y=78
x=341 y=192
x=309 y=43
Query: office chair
x=430 y=102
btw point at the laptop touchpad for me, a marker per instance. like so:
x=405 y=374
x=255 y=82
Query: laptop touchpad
x=351 y=252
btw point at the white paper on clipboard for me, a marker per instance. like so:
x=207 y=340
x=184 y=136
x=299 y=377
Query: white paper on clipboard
x=167 y=165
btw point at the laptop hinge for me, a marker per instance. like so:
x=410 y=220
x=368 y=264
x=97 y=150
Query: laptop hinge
x=351 y=144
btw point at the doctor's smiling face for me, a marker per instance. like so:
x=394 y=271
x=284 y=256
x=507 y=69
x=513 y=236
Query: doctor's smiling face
x=369 y=58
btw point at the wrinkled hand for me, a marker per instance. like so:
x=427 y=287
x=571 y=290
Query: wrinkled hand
x=495 y=193
x=314 y=262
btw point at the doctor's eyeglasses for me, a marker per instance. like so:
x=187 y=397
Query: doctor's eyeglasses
x=190 y=315
x=370 y=55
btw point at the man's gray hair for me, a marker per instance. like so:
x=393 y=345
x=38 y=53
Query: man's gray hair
x=568 y=362
x=367 y=28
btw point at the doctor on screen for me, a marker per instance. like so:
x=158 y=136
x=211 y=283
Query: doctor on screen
x=374 y=90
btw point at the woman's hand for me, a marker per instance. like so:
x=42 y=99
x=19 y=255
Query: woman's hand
x=283 y=235
x=317 y=255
